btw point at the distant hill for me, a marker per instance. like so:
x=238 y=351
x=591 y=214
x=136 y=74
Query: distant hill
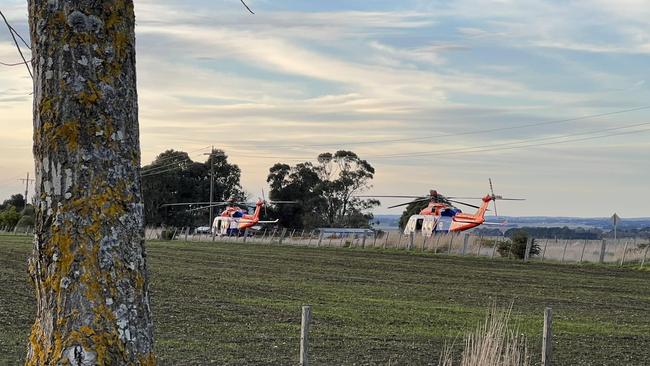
x=603 y=223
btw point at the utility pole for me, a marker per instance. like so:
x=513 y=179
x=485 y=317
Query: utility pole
x=211 y=183
x=26 y=180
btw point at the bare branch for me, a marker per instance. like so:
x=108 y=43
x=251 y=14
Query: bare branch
x=11 y=31
x=21 y=37
x=249 y=9
x=14 y=64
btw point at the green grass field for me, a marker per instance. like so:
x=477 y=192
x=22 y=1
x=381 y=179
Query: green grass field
x=240 y=304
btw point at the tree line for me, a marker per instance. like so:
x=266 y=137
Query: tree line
x=324 y=190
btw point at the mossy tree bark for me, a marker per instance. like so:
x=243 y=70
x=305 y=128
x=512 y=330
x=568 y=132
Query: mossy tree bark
x=88 y=263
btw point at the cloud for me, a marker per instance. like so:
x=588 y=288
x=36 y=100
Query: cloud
x=268 y=87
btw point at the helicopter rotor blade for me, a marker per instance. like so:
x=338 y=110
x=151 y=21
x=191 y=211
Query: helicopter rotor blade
x=381 y=196
x=464 y=203
x=408 y=203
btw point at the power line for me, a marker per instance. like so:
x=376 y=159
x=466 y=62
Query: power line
x=174 y=157
x=452 y=151
x=159 y=168
x=160 y=172
x=491 y=147
x=474 y=132
x=546 y=143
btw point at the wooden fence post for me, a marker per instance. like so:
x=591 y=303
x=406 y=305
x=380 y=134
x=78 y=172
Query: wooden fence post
x=304 y=335
x=451 y=243
x=363 y=240
x=480 y=243
x=494 y=247
x=411 y=239
x=435 y=245
x=645 y=254
x=529 y=246
x=547 y=337
x=187 y=232
x=320 y=239
x=245 y=235
x=399 y=241
x=374 y=239
x=311 y=235
x=386 y=241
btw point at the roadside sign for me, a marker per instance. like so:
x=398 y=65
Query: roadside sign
x=615 y=220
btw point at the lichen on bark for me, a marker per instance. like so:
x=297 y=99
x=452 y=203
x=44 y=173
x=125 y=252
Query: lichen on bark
x=88 y=264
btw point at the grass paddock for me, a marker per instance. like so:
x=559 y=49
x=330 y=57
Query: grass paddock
x=216 y=303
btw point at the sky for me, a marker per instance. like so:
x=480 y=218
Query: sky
x=550 y=99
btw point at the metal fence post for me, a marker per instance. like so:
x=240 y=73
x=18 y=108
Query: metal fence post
x=582 y=254
x=603 y=247
x=529 y=246
x=304 y=335
x=465 y=241
x=645 y=254
x=624 y=252
x=272 y=235
x=547 y=337
x=281 y=238
x=566 y=243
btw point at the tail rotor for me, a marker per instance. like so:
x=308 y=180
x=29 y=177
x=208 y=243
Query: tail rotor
x=494 y=201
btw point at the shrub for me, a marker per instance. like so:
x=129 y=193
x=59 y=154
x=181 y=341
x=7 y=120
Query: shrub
x=9 y=217
x=517 y=246
x=25 y=222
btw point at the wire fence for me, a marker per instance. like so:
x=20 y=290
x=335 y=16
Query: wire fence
x=620 y=251
x=613 y=251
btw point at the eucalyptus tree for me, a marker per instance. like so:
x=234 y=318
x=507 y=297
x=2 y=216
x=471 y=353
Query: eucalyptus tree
x=88 y=264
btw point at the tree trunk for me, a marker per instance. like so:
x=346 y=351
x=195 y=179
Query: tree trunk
x=88 y=264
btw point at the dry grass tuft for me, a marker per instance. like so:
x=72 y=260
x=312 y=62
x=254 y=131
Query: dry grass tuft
x=492 y=344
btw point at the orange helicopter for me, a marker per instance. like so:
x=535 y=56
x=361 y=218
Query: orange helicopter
x=441 y=216
x=233 y=220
